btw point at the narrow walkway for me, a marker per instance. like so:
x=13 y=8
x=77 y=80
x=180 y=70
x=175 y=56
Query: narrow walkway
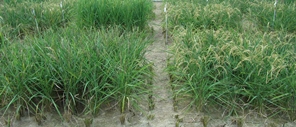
x=156 y=53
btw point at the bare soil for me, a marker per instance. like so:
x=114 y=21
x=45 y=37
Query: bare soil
x=157 y=54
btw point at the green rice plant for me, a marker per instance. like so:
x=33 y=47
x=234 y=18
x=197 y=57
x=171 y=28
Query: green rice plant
x=1 y=35
x=233 y=14
x=234 y=70
x=27 y=18
x=1 y=39
x=269 y=16
x=102 y=13
x=210 y=16
x=264 y=13
x=246 y=64
x=72 y=70
x=14 y=2
x=284 y=16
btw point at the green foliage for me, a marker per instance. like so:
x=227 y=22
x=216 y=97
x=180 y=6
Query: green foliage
x=50 y=63
x=74 y=69
x=237 y=58
x=235 y=70
x=216 y=14
x=28 y=17
x=285 y=18
x=211 y=16
x=1 y=39
x=127 y=13
x=15 y=2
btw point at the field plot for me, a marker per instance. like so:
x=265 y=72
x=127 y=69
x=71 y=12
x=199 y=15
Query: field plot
x=229 y=63
x=234 y=57
x=72 y=56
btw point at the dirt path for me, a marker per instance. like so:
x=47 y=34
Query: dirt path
x=157 y=54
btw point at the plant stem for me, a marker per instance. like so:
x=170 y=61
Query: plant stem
x=33 y=12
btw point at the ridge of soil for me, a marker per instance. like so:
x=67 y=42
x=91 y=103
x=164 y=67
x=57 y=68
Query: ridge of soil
x=157 y=54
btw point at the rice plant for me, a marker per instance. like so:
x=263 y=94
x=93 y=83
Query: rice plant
x=229 y=14
x=74 y=71
x=234 y=63
x=234 y=70
x=1 y=36
x=28 y=17
x=284 y=15
x=211 y=16
x=127 y=13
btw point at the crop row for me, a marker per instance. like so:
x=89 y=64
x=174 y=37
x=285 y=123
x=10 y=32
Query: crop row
x=61 y=56
x=231 y=55
x=19 y=17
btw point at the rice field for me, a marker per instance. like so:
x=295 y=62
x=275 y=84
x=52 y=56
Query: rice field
x=72 y=56
x=236 y=56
